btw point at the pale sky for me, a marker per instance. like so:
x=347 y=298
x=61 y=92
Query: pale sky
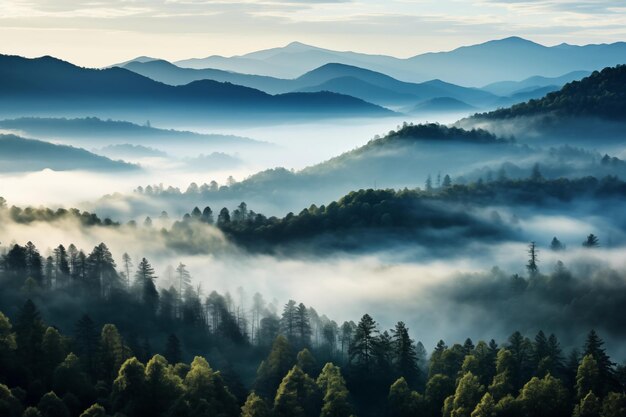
x=99 y=33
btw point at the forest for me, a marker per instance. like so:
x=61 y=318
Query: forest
x=84 y=336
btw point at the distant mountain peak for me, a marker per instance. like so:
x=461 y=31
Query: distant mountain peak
x=299 y=45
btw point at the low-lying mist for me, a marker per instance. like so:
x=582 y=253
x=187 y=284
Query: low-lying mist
x=470 y=291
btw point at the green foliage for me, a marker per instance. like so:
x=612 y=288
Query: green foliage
x=96 y=410
x=113 y=352
x=486 y=407
x=51 y=406
x=334 y=393
x=502 y=384
x=614 y=405
x=587 y=377
x=272 y=369
x=205 y=391
x=297 y=396
x=544 y=398
x=306 y=361
x=402 y=401
x=255 y=406
x=589 y=406
x=467 y=395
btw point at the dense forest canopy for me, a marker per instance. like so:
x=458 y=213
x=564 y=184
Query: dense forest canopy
x=126 y=348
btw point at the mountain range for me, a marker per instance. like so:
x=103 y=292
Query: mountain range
x=48 y=85
x=368 y=85
x=506 y=59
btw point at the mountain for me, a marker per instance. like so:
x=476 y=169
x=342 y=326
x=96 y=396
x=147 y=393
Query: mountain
x=442 y=104
x=508 y=88
x=475 y=65
x=601 y=95
x=592 y=110
x=166 y=72
x=361 y=83
x=293 y=60
x=139 y=59
x=18 y=154
x=48 y=85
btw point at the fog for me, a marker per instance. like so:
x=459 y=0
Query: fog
x=391 y=280
x=439 y=294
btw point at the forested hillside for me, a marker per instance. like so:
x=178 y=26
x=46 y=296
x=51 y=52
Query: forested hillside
x=602 y=94
x=124 y=348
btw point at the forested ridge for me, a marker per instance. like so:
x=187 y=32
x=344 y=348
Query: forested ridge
x=84 y=336
x=601 y=94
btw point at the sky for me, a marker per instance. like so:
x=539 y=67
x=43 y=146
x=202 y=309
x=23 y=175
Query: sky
x=98 y=33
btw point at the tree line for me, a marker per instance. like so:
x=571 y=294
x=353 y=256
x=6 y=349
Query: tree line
x=44 y=373
x=124 y=348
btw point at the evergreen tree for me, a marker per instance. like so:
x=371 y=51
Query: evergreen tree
x=144 y=278
x=587 y=377
x=556 y=245
x=101 y=272
x=362 y=348
x=306 y=361
x=127 y=264
x=485 y=408
x=289 y=321
x=206 y=392
x=466 y=397
x=112 y=352
x=207 y=215
x=255 y=406
x=129 y=389
x=272 y=369
x=592 y=241
x=594 y=347
x=405 y=356
x=544 y=398
x=502 y=384
x=302 y=326
x=332 y=386
x=402 y=401
x=532 y=266
x=297 y=396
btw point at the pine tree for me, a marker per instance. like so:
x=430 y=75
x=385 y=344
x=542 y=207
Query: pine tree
x=592 y=241
x=303 y=326
x=594 y=347
x=361 y=350
x=405 y=356
x=532 y=266
x=144 y=279
x=334 y=393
